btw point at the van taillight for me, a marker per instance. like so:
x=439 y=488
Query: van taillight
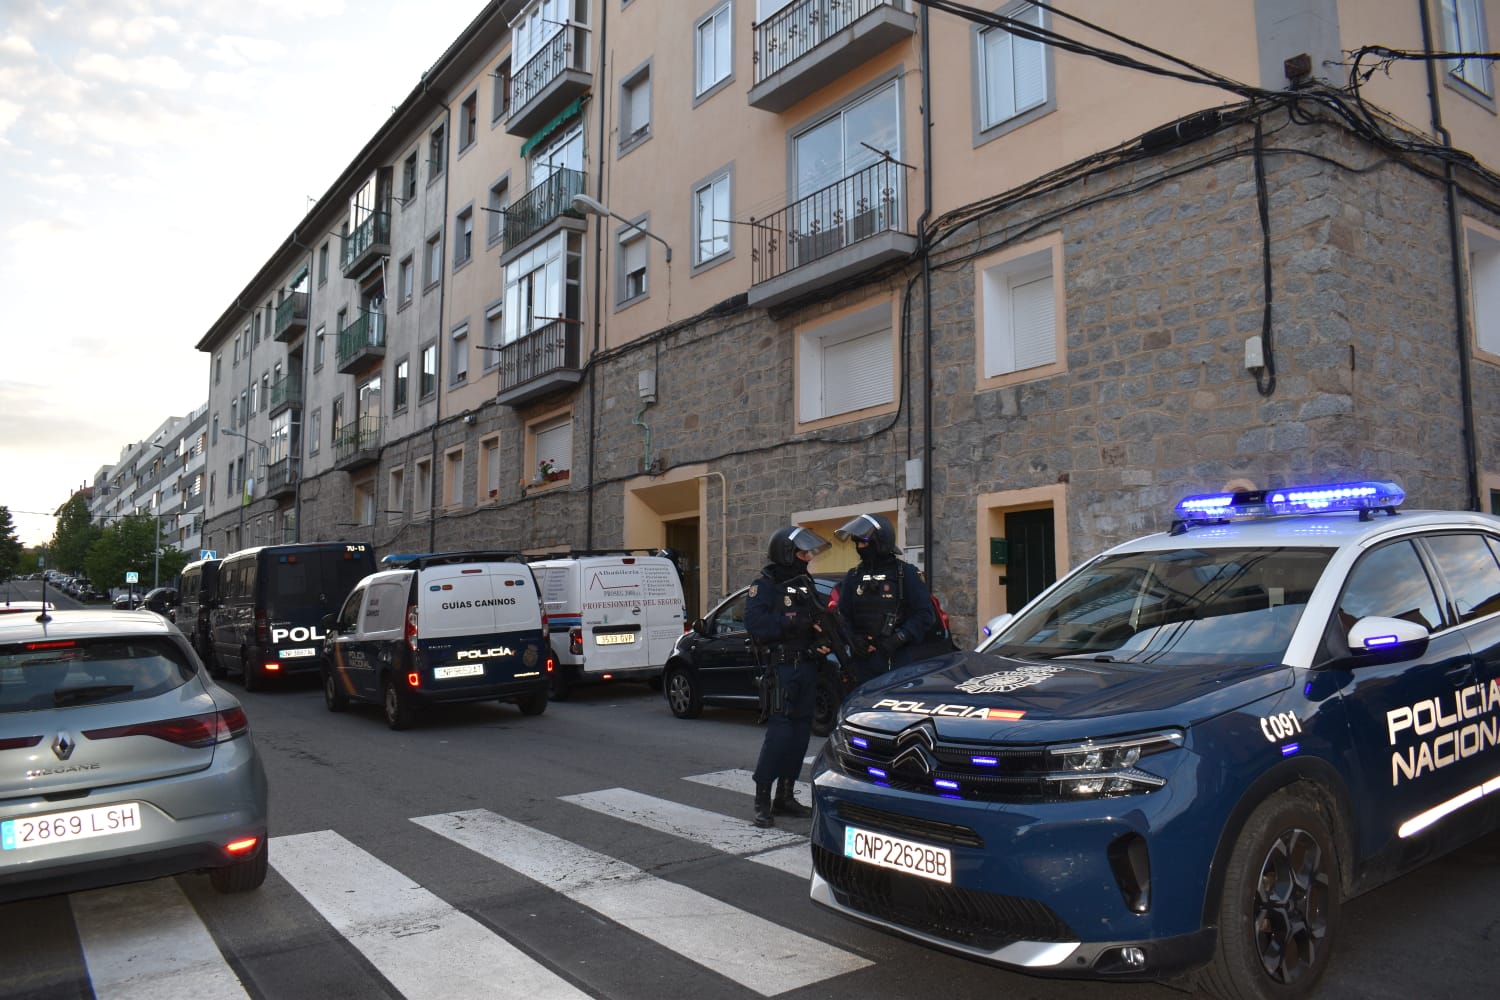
x=262 y=630
x=575 y=641
x=411 y=626
x=546 y=627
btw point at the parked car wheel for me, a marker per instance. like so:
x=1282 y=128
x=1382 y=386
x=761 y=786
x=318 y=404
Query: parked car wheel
x=684 y=696
x=242 y=876
x=333 y=697
x=398 y=710
x=253 y=679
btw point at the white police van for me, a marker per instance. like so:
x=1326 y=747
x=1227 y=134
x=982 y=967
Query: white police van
x=443 y=629
x=613 y=616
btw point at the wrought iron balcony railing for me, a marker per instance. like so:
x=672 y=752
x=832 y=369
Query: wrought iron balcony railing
x=291 y=317
x=358 y=443
x=286 y=391
x=798 y=28
x=842 y=214
x=361 y=340
x=536 y=208
x=374 y=232
x=541 y=352
x=568 y=49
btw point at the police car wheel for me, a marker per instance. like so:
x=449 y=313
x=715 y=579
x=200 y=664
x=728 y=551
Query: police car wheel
x=1280 y=908
x=825 y=705
x=398 y=710
x=533 y=704
x=684 y=697
x=335 y=699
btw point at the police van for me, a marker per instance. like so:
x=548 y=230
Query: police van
x=446 y=628
x=613 y=616
x=1184 y=755
x=266 y=619
x=197 y=589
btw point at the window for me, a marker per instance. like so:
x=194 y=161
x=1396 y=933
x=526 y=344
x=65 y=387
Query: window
x=428 y=384
x=552 y=446
x=1472 y=573
x=234 y=413
x=402 y=385
x=453 y=478
x=409 y=180
x=314 y=431
x=218 y=367
x=463 y=237
x=364 y=503
x=1464 y=31
x=323 y=263
x=1390 y=582
x=214 y=430
x=395 y=498
x=236 y=348
x=437 y=154
x=1012 y=75
x=846 y=363
x=1484 y=287
x=468 y=122
x=318 y=349
x=422 y=497
x=1018 y=311
x=244 y=408
x=489 y=470
x=714 y=49
x=711 y=219
x=494 y=330
x=254 y=329
x=500 y=102
x=434 y=260
x=499 y=202
x=847 y=146
x=336 y=422
x=542 y=285
x=408 y=280
x=458 y=355
x=635 y=108
x=632 y=266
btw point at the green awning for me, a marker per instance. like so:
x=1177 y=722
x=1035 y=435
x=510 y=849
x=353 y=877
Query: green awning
x=298 y=278
x=552 y=126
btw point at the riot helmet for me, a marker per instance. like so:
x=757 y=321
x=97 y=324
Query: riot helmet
x=788 y=541
x=870 y=528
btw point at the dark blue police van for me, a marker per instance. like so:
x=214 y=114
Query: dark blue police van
x=1188 y=752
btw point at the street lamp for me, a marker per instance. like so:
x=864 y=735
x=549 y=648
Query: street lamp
x=590 y=206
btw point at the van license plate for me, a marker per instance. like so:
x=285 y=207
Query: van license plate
x=459 y=670
x=614 y=639
x=884 y=851
x=39 y=831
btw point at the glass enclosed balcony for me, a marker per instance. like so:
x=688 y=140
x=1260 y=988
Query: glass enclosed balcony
x=370 y=241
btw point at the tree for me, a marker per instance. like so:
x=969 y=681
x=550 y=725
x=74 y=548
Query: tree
x=126 y=546
x=74 y=535
x=10 y=545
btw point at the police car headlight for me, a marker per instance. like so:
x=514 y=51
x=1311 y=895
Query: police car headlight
x=1101 y=768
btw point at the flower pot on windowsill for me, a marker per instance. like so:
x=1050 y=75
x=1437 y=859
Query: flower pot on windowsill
x=556 y=476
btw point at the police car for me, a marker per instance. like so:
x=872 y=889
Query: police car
x=1188 y=752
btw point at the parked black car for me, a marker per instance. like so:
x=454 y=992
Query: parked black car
x=162 y=600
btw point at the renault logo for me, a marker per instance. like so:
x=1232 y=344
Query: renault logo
x=62 y=746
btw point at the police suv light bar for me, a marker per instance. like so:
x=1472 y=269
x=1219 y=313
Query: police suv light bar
x=1323 y=498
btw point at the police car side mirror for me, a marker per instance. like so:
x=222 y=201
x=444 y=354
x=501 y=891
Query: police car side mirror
x=1376 y=639
x=992 y=626
x=330 y=624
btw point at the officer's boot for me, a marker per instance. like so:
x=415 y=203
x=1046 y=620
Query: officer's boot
x=785 y=804
x=763 y=806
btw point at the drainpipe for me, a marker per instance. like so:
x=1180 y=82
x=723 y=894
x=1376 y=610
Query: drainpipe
x=437 y=417
x=929 y=542
x=244 y=436
x=588 y=520
x=1455 y=250
x=301 y=424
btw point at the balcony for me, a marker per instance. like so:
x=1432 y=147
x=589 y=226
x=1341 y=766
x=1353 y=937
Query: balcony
x=541 y=363
x=291 y=318
x=357 y=445
x=543 y=205
x=281 y=478
x=362 y=342
x=370 y=241
x=550 y=80
x=811 y=43
x=849 y=227
x=286 y=394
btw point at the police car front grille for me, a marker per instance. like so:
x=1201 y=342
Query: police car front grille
x=1008 y=774
x=930 y=830
x=968 y=917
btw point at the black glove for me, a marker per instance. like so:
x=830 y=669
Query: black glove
x=889 y=645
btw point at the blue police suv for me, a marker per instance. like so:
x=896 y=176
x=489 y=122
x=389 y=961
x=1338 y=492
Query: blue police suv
x=1188 y=752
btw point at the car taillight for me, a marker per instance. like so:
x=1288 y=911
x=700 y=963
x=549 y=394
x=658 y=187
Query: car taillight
x=575 y=641
x=411 y=627
x=262 y=630
x=414 y=679
x=242 y=846
x=551 y=666
x=189 y=731
x=19 y=742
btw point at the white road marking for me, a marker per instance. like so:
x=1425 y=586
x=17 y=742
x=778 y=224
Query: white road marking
x=739 y=780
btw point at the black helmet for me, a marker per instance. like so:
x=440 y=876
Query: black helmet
x=788 y=541
x=871 y=528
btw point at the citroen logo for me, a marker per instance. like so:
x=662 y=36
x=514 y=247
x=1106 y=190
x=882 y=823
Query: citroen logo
x=62 y=746
x=915 y=745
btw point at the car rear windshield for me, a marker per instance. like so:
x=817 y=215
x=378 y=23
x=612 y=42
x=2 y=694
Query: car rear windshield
x=312 y=580
x=1176 y=606
x=50 y=674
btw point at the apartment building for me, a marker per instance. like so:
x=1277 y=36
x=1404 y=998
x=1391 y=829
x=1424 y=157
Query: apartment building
x=164 y=476
x=636 y=274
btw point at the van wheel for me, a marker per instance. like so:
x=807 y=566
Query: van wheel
x=1280 y=908
x=333 y=697
x=533 y=704
x=561 y=688
x=398 y=710
x=250 y=673
x=242 y=876
x=684 y=697
x=825 y=705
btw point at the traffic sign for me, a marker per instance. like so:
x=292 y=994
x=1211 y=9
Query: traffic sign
x=207 y=554
x=132 y=577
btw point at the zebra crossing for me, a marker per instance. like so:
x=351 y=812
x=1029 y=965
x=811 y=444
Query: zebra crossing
x=147 y=940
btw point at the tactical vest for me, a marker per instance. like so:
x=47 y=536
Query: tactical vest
x=798 y=600
x=877 y=597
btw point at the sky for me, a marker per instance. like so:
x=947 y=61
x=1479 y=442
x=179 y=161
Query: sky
x=153 y=154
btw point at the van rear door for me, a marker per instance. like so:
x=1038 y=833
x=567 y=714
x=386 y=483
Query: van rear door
x=479 y=623
x=631 y=613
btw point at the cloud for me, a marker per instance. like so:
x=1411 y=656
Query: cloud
x=15 y=45
x=162 y=72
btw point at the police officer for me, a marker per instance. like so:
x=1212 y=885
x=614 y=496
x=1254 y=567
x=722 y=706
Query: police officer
x=884 y=600
x=779 y=614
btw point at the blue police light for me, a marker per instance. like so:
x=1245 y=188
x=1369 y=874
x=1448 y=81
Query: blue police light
x=860 y=742
x=876 y=772
x=952 y=786
x=1377 y=641
x=1290 y=749
x=984 y=761
x=1321 y=498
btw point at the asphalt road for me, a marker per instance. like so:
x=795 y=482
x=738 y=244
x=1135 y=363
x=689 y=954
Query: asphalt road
x=602 y=849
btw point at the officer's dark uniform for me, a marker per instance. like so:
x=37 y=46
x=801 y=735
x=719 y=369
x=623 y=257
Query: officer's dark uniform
x=779 y=617
x=883 y=600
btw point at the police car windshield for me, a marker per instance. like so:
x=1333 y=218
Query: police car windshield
x=1180 y=606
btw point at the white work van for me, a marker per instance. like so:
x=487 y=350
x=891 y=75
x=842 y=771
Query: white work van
x=612 y=617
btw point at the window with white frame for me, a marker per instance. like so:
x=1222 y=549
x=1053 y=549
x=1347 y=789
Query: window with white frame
x=434 y=260
x=1464 y=30
x=635 y=107
x=552 y=444
x=1484 y=288
x=319 y=340
x=437 y=153
x=846 y=364
x=499 y=202
x=314 y=431
x=494 y=332
x=542 y=286
x=711 y=219
x=714 y=49
x=489 y=470
x=409 y=180
x=364 y=502
x=463 y=237
x=468 y=121
x=1012 y=70
x=401 y=386
x=1019 y=308
x=428 y=378
x=458 y=355
x=408 y=280
x=633 y=267
x=500 y=97
x=846 y=148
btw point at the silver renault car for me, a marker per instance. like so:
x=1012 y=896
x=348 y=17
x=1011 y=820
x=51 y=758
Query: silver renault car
x=120 y=760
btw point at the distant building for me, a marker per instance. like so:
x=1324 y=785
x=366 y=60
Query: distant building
x=163 y=475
